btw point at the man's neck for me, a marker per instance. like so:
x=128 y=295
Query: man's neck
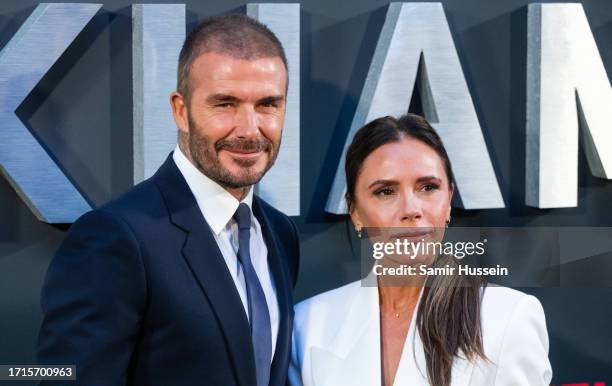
x=239 y=193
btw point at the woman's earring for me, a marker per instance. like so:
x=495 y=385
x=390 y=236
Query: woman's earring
x=447 y=222
x=358 y=232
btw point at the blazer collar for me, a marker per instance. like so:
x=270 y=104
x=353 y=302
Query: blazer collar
x=208 y=267
x=354 y=356
x=216 y=204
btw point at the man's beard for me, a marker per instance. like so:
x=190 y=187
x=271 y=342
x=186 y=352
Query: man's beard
x=205 y=155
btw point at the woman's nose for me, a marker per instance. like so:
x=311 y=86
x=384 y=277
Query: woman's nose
x=410 y=211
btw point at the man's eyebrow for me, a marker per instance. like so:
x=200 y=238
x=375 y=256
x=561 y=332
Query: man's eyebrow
x=271 y=99
x=221 y=98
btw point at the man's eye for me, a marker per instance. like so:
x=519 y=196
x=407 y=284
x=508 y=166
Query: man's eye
x=225 y=105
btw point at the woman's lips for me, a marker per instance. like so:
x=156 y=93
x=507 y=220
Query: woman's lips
x=413 y=234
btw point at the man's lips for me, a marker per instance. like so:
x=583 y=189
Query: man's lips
x=244 y=154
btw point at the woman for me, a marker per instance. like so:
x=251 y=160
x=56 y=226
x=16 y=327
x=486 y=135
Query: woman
x=449 y=330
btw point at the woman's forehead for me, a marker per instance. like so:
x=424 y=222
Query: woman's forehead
x=407 y=158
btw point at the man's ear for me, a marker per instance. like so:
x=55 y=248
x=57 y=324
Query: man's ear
x=179 y=111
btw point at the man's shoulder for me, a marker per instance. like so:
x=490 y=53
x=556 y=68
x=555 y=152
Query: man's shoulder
x=269 y=210
x=142 y=199
x=280 y=221
x=141 y=204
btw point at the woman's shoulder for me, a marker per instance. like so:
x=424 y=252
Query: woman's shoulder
x=511 y=319
x=500 y=303
x=329 y=302
x=318 y=318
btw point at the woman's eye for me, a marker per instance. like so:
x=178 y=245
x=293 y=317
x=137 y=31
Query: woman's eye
x=383 y=192
x=430 y=187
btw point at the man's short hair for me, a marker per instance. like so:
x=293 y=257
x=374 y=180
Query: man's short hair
x=234 y=35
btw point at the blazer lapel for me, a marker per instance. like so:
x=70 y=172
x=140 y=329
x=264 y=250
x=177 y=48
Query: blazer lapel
x=353 y=357
x=208 y=266
x=462 y=371
x=284 y=287
x=412 y=369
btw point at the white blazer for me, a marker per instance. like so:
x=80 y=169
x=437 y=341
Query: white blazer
x=336 y=342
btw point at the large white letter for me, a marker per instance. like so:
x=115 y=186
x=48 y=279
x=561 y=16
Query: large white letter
x=23 y=61
x=416 y=46
x=567 y=87
x=158 y=33
x=281 y=185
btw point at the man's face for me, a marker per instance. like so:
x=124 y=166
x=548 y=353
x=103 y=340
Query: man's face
x=235 y=116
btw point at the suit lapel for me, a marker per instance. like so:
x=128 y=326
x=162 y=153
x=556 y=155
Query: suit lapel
x=206 y=262
x=283 y=284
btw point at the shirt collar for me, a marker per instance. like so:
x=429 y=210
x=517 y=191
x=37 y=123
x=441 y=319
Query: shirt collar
x=217 y=204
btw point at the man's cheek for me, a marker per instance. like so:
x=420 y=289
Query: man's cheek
x=216 y=126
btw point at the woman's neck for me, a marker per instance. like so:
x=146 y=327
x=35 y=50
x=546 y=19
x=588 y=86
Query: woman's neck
x=396 y=299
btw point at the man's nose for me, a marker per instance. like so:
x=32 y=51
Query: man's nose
x=246 y=125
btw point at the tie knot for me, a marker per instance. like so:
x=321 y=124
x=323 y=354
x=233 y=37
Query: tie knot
x=243 y=216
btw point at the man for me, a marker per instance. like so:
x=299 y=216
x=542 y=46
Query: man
x=187 y=278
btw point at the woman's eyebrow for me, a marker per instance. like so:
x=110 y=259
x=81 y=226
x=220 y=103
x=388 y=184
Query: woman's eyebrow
x=383 y=182
x=428 y=178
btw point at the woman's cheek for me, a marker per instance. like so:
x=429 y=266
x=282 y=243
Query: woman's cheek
x=383 y=217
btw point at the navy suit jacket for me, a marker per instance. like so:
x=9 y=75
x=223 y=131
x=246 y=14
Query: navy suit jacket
x=139 y=294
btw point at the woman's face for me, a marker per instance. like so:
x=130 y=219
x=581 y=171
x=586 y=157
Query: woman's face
x=402 y=184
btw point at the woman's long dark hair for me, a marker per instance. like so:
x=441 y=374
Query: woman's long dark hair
x=448 y=316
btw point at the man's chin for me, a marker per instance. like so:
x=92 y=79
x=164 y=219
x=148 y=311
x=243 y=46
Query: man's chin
x=244 y=178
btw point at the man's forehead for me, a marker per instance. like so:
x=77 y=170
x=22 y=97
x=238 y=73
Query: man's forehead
x=229 y=75
x=220 y=64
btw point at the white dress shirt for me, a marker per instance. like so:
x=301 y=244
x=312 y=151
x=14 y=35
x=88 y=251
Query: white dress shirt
x=218 y=207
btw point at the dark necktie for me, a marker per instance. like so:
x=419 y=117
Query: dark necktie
x=259 y=317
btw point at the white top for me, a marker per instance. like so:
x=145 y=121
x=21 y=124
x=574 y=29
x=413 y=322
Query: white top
x=218 y=207
x=336 y=342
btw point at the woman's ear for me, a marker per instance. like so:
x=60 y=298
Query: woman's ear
x=355 y=217
x=451 y=191
x=353 y=214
